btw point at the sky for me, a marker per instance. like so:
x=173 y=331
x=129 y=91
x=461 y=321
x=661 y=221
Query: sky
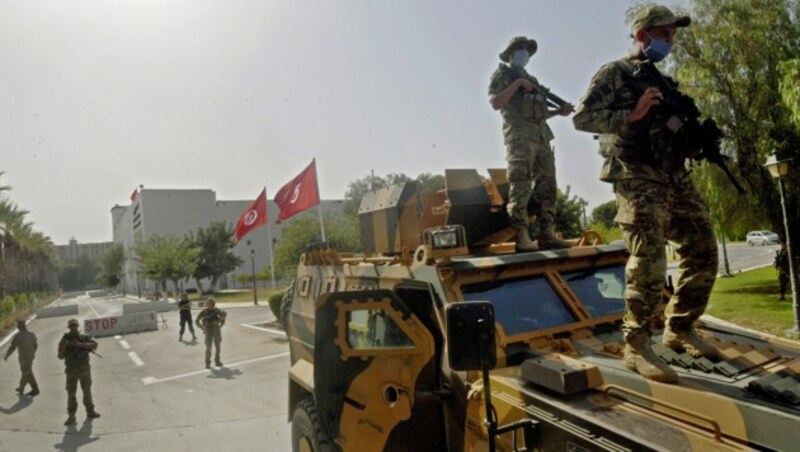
x=98 y=97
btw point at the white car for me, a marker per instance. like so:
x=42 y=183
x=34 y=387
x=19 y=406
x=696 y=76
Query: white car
x=762 y=238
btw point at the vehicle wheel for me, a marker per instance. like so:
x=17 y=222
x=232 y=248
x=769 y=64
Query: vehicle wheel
x=749 y=243
x=307 y=432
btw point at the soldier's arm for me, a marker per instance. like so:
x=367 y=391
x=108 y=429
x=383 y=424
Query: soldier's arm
x=62 y=348
x=91 y=344
x=12 y=347
x=598 y=111
x=197 y=320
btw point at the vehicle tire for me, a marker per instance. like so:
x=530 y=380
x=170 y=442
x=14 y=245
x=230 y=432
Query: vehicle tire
x=749 y=243
x=307 y=432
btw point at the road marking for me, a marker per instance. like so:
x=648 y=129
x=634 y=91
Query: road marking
x=125 y=345
x=153 y=380
x=92 y=308
x=136 y=359
x=117 y=337
x=259 y=328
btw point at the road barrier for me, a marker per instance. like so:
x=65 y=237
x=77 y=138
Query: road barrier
x=57 y=311
x=130 y=323
x=157 y=306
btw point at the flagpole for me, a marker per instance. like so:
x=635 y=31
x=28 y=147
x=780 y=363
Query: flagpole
x=269 y=243
x=319 y=206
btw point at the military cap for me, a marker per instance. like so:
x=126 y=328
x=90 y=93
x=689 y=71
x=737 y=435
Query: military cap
x=73 y=322
x=518 y=42
x=655 y=16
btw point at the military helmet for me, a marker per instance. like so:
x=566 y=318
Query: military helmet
x=75 y=322
x=655 y=16
x=518 y=42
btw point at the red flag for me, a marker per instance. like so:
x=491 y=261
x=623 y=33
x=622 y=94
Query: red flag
x=298 y=194
x=133 y=195
x=253 y=216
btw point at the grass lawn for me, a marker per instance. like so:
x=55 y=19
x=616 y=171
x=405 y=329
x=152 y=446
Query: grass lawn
x=750 y=299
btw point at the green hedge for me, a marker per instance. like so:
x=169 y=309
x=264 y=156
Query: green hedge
x=275 y=304
x=13 y=308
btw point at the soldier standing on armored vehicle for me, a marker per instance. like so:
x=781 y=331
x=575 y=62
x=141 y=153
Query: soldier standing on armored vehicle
x=522 y=102
x=656 y=200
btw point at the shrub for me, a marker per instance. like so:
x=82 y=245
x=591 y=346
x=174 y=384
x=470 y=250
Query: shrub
x=275 y=304
x=22 y=302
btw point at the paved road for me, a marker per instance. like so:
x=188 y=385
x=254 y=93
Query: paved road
x=740 y=258
x=154 y=392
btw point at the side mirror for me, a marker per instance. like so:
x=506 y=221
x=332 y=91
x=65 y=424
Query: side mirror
x=470 y=335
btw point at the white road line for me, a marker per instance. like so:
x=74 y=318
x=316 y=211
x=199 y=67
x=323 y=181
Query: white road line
x=117 y=337
x=136 y=359
x=92 y=308
x=259 y=328
x=125 y=345
x=153 y=380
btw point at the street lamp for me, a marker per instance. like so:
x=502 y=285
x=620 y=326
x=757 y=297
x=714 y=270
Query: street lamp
x=779 y=169
x=253 y=269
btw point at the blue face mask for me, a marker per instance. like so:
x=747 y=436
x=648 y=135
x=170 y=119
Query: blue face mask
x=520 y=58
x=657 y=50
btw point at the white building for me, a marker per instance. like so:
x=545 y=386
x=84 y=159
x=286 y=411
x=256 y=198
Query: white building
x=167 y=212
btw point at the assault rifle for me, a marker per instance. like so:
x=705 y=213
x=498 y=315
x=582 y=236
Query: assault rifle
x=700 y=140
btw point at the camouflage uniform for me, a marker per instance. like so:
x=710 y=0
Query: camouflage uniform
x=211 y=320
x=78 y=370
x=25 y=341
x=528 y=153
x=656 y=200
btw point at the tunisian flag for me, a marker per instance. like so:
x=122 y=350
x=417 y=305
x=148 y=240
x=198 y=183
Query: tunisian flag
x=252 y=217
x=298 y=194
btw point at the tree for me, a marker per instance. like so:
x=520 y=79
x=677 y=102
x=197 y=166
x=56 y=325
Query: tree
x=604 y=214
x=568 y=214
x=734 y=61
x=110 y=266
x=216 y=257
x=342 y=232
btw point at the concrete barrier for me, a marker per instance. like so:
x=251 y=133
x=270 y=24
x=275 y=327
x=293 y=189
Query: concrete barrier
x=57 y=311
x=130 y=323
x=96 y=293
x=157 y=306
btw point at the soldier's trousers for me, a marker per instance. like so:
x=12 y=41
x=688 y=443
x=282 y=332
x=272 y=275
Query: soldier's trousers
x=531 y=162
x=186 y=319
x=84 y=377
x=783 y=279
x=26 y=369
x=213 y=335
x=649 y=214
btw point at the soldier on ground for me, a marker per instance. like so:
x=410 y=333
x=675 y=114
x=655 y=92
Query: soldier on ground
x=210 y=320
x=74 y=349
x=26 y=342
x=782 y=266
x=185 y=310
x=656 y=200
x=523 y=105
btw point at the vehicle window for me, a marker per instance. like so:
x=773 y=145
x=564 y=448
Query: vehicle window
x=522 y=305
x=600 y=290
x=374 y=329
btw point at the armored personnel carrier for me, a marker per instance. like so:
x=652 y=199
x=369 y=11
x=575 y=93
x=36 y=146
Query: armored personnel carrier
x=442 y=338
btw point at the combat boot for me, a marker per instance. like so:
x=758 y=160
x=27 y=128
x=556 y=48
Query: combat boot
x=548 y=241
x=70 y=419
x=180 y=338
x=639 y=357
x=92 y=414
x=688 y=341
x=523 y=239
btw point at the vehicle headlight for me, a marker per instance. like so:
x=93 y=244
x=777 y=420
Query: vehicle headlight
x=446 y=238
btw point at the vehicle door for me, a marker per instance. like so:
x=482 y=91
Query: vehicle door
x=369 y=352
